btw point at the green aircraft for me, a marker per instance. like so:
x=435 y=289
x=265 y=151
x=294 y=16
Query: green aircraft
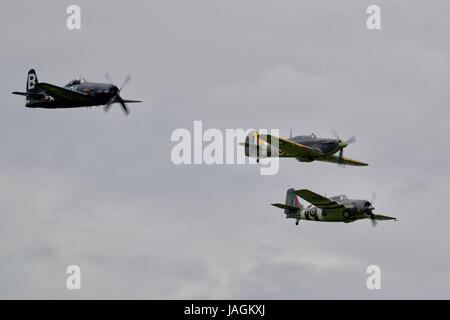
x=333 y=209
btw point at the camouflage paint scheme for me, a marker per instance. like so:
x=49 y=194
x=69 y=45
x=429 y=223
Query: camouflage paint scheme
x=303 y=148
x=333 y=209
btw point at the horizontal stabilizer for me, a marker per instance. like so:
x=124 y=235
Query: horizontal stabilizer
x=285 y=206
x=250 y=145
x=29 y=94
x=20 y=93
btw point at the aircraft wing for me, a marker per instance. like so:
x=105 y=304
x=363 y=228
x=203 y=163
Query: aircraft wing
x=344 y=160
x=289 y=147
x=63 y=93
x=382 y=217
x=131 y=101
x=318 y=200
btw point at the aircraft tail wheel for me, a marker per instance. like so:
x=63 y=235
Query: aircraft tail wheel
x=296 y=223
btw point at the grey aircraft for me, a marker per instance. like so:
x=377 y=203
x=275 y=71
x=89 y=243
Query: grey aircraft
x=77 y=93
x=333 y=209
x=306 y=148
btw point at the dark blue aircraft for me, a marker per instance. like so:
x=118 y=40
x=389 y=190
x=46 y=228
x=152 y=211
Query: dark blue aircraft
x=76 y=94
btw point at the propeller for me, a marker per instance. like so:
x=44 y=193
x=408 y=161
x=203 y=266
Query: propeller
x=342 y=144
x=373 y=197
x=116 y=97
x=370 y=208
x=108 y=78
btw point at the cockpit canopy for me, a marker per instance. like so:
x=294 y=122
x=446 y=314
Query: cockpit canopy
x=341 y=197
x=76 y=81
x=311 y=136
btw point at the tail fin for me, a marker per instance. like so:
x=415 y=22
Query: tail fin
x=254 y=146
x=247 y=146
x=32 y=80
x=249 y=140
x=292 y=204
x=291 y=198
x=31 y=92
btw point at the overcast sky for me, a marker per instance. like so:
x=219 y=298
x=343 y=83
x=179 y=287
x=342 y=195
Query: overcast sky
x=100 y=191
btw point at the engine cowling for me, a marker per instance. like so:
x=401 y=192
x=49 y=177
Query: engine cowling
x=362 y=207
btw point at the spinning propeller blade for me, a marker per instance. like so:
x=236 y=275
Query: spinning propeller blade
x=371 y=208
x=342 y=144
x=108 y=78
x=117 y=98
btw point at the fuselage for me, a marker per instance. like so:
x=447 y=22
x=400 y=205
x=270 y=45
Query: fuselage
x=98 y=94
x=324 y=145
x=355 y=210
